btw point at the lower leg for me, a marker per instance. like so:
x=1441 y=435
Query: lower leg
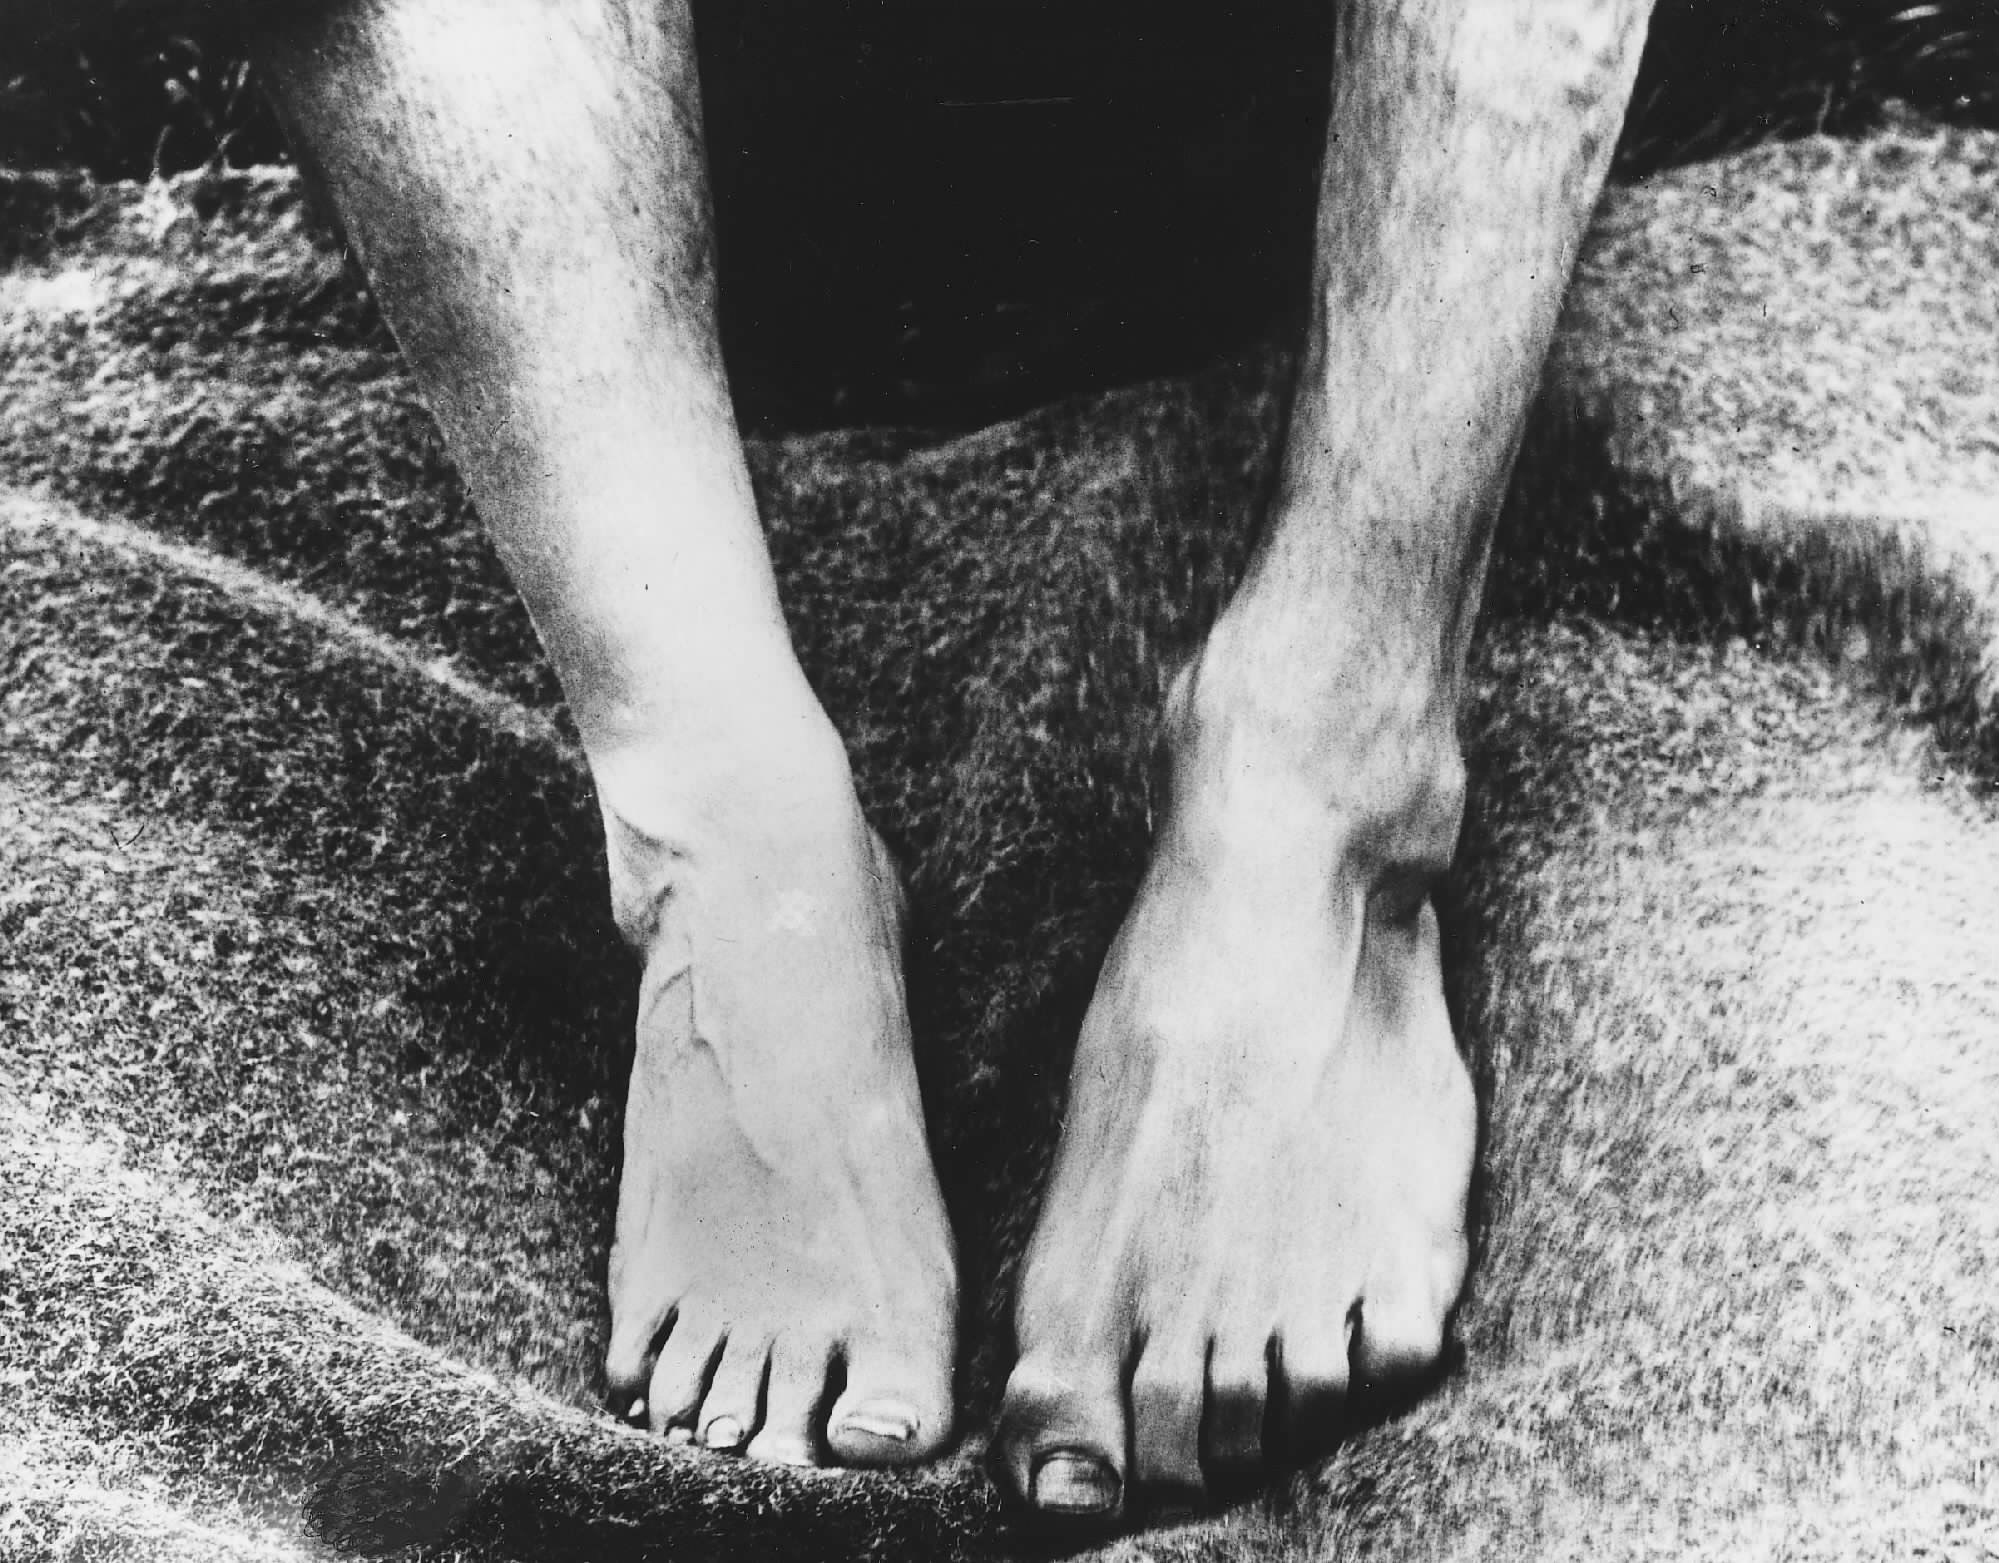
x=1260 y=1195
x=525 y=184
x=1467 y=146
x=524 y=181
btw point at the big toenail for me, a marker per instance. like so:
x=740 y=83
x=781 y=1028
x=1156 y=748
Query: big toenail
x=636 y=1411
x=1074 y=1484
x=725 y=1432
x=881 y=1419
x=678 y=1434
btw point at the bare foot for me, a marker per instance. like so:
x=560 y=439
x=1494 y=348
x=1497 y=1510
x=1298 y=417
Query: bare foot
x=1260 y=1194
x=780 y=1231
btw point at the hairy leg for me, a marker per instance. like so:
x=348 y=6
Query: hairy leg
x=524 y=180
x=1259 y=1200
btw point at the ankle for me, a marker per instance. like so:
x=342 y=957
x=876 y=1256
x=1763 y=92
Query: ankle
x=1353 y=750
x=722 y=802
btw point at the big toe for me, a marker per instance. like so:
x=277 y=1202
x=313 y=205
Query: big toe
x=1062 y=1438
x=896 y=1407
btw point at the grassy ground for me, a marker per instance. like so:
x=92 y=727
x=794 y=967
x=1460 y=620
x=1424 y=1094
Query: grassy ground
x=315 y=1024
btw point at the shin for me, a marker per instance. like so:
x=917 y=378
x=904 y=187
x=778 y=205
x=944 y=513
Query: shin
x=1467 y=145
x=524 y=181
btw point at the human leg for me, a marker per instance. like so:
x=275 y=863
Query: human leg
x=1259 y=1201
x=524 y=181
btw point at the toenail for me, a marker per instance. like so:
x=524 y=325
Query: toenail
x=725 y=1432
x=1074 y=1484
x=636 y=1411
x=678 y=1434
x=881 y=1419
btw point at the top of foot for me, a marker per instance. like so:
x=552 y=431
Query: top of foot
x=1259 y=1202
x=782 y=1283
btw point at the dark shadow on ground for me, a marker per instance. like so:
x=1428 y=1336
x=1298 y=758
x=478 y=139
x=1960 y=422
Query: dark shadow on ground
x=950 y=218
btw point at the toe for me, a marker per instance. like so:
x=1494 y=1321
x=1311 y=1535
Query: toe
x=686 y=1360
x=896 y=1407
x=1400 y=1338
x=637 y=1325
x=1232 y=1430
x=1311 y=1389
x=792 y=1397
x=1167 y=1392
x=729 y=1413
x=1061 y=1438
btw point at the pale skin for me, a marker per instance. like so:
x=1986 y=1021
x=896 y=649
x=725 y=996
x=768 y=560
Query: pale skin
x=1259 y=1200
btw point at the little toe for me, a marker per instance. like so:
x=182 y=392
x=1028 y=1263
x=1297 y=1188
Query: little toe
x=729 y=1413
x=1400 y=1338
x=1238 y=1398
x=1311 y=1385
x=680 y=1375
x=628 y=1359
x=896 y=1406
x=792 y=1397
x=1167 y=1392
x=1061 y=1441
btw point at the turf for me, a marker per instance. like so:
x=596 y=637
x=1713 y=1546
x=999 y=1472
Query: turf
x=315 y=1024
